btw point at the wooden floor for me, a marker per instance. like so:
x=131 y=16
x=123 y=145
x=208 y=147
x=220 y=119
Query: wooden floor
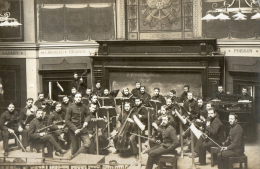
x=252 y=150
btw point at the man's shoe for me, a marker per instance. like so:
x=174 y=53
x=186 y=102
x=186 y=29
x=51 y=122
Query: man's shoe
x=6 y=154
x=58 y=153
x=195 y=155
x=198 y=163
x=63 y=151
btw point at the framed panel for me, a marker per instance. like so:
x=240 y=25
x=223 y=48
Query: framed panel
x=12 y=34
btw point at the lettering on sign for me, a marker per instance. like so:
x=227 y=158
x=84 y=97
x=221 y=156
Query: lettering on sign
x=251 y=52
x=68 y=52
x=12 y=52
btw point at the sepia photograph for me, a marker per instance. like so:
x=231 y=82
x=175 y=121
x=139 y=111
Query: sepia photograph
x=129 y=84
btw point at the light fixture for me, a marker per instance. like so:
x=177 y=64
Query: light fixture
x=6 y=21
x=233 y=8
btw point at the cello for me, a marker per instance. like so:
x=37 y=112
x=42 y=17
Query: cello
x=121 y=140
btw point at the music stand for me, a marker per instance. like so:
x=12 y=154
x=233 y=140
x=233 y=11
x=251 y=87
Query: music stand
x=154 y=104
x=107 y=108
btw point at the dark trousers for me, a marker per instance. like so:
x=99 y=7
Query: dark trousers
x=76 y=147
x=223 y=158
x=203 y=147
x=133 y=144
x=155 y=153
x=25 y=138
x=6 y=136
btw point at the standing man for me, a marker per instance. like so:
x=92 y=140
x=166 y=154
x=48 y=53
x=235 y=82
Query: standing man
x=214 y=130
x=9 y=124
x=77 y=118
x=186 y=89
x=234 y=145
x=158 y=97
x=191 y=107
x=98 y=90
x=220 y=93
x=136 y=90
x=169 y=143
x=144 y=96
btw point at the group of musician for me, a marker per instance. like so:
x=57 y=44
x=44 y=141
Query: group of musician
x=90 y=121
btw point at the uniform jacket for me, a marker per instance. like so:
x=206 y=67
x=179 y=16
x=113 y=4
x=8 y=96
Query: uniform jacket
x=76 y=115
x=9 y=120
x=235 y=139
x=169 y=137
x=192 y=107
x=216 y=130
x=146 y=98
x=35 y=125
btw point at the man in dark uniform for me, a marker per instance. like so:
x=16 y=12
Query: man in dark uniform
x=40 y=103
x=220 y=94
x=136 y=90
x=190 y=107
x=245 y=95
x=214 y=130
x=98 y=90
x=144 y=96
x=173 y=96
x=140 y=113
x=57 y=120
x=40 y=136
x=186 y=89
x=87 y=96
x=73 y=91
x=234 y=144
x=169 y=143
x=65 y=103
x=158 y=97
x=77 y=118
x=9 y=124
x=26 y=116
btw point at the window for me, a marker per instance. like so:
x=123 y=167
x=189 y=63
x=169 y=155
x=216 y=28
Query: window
x=76 y=20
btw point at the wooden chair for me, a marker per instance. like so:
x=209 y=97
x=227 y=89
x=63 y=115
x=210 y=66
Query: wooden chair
x=240 y=159
x=168 y=161
x=214 y=152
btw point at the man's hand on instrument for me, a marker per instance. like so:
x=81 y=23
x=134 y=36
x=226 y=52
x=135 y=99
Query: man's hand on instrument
x=130 y=120
x=60 y=126
x=223 y=149
x=155 y=125
x=20 y=129
x=140 y=116
x=208 y=123
x=90 y=135
x=85 y=124
x=10 y=131
x=42 y=134
x=173 y=112
x=77 y=131
x=158 y=141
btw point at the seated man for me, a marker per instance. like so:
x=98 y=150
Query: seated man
x=168 y=145
x=39 y=135
x=9 y=124
x=215 y=130
x=234 y=145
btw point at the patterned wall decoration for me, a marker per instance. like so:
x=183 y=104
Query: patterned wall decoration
x=160 y=19
x=160 y=15
x=15 y=7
